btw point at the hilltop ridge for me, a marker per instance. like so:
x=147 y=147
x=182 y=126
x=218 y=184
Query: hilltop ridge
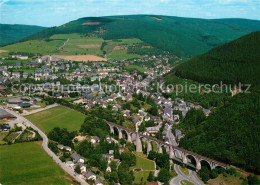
x=181 y=36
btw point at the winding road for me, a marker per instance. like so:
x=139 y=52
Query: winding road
x=192 y=177
x=45 y=146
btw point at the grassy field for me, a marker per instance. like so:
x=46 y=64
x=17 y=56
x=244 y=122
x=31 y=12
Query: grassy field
x=11 y=136
x=36 y=46
x=2 y=136
x=136 y=68
x=59 y=116
x=11 y=62
x=27 y=70
x=62 y=44
x=122 y=54
x=184 y=170
x=230 y=180
x=145 y=165
x=154 y=146
x=27 y=163
x=185 y=182
x=75 y=44
x=78 y=44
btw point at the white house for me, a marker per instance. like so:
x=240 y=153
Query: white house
x=82 y=167
x=108 y=169
x=94 y=140
x=67 y=148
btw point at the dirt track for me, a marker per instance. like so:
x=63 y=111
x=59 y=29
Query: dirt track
x=3 y=51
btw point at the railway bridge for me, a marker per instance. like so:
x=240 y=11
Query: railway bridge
x=173 y=151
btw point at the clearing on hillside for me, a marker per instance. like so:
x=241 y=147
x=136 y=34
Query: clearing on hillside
x=27 y=163
x=158 y=19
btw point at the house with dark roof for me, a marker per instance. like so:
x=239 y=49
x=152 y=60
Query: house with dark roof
x=24 y=104
x=99 y=182
x=4 y=127
x=90 y=175
x=77 y=158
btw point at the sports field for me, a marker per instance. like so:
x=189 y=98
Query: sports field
x=144 y=164
x=27 y=163
x=59 y=116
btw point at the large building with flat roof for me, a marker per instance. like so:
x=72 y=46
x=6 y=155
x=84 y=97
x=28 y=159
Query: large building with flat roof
x=5 y=115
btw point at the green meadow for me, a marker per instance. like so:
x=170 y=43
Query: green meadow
x=59 y=116
x=75 y=44
x=135 y=67
x=144 y=164
x=27 y=163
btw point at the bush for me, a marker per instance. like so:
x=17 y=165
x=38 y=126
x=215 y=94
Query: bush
x=213 y=174
x=253 y=180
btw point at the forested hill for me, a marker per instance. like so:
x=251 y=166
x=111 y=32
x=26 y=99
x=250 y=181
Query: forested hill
x=182 y=36
x=230 y=134
x=231 y=63
x=13 y=33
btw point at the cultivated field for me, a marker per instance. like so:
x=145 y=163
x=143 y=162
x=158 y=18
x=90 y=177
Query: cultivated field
x=76 y=44
x=3 y=51
x=82 y=58
x=122 y=54
x=59 y=116
x=27 y=163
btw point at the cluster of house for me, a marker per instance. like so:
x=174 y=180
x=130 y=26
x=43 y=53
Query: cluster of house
x=78 y=160
x=87 y=175
x=185 y=106
x=51 y=67
x=20 y=57
x=62 y=147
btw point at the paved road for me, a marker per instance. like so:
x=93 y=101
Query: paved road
x=45 y=147
x=139 y=123
x=192 y=177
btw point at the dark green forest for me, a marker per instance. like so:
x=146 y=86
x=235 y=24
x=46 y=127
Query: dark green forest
x=230 y=134
x=14 y=33
x=181 y=36
x=231 y=63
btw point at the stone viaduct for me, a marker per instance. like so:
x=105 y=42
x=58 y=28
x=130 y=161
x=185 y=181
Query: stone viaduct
x=173 y=151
